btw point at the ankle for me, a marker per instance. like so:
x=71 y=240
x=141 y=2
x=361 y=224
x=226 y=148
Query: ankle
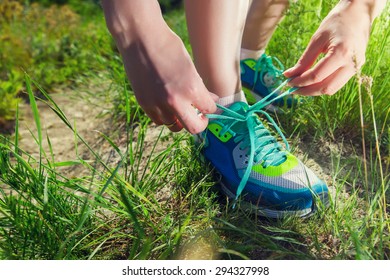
x=254 y=54
x=229 y=100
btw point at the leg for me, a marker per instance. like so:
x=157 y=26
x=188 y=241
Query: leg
x=262 y=74
x=215 y=29
x=261 y=22
x=236 y=143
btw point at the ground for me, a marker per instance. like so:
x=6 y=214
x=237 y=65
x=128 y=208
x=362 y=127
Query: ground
x=89 y=111
x=90 y=114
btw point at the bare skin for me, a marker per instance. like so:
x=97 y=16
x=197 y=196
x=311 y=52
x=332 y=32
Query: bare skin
x=169 y=87
x=343 y=37
x=261 y=21
x=215 y=29
x=163 y=76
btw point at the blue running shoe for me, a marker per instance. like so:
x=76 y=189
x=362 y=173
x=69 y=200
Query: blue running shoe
x=253 y=165
x=259 y=79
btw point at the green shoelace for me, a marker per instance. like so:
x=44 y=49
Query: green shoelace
x=262 y=145
x=265 y=64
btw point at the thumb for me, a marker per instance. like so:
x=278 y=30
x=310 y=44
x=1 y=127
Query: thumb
x=214 y=96
x=205 y=102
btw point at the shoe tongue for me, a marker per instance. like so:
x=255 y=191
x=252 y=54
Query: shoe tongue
x=240 y=108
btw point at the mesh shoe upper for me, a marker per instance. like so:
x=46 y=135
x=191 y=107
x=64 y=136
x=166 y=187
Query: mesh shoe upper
x=262 y=77
x=253 y=164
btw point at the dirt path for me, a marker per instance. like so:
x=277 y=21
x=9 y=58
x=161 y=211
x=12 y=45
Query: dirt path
x=90 y=113
x=83 y=109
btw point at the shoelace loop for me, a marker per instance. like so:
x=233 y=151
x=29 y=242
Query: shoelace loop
x=268 y=149
x=265 y=64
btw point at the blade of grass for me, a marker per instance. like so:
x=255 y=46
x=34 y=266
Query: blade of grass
x=34 y=108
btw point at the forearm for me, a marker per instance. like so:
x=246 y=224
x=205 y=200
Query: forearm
x=162 y=74
x=134 y=21
x=141 y=35
x=371 y=8
x=377 y=7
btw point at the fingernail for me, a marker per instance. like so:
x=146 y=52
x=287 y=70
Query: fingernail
x=203 y=117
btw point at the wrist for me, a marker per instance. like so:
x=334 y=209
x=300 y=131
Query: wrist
x=371 y=8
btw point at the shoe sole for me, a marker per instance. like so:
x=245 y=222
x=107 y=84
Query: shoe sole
x=277 y=214
x=265 y=212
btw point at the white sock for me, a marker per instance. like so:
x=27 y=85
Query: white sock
x=229 y=100
x=255 y=54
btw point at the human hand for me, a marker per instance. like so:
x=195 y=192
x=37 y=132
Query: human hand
x=167 y=85
x=162 y=74
x=342 y=37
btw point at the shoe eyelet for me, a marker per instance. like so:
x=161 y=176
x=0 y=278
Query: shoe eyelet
x=246 y=162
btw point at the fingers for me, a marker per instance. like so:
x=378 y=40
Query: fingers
x=185 y=108
x=155 y=117
x=191 y=120
x=314 y=49
x=213 y=96
x=181 y=115
x=331 y=72
x=171 y=122
x=175 y=126
x=182 y=111
x=185 y=117
x=329 y=85
x=323 y=69
x=205 y=102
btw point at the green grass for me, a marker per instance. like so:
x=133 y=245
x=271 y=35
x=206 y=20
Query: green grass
x=164 y=205
x=336 y=115
x=61 y=47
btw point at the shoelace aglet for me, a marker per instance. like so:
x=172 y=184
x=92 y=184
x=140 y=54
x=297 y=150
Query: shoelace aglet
x=235 y=203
